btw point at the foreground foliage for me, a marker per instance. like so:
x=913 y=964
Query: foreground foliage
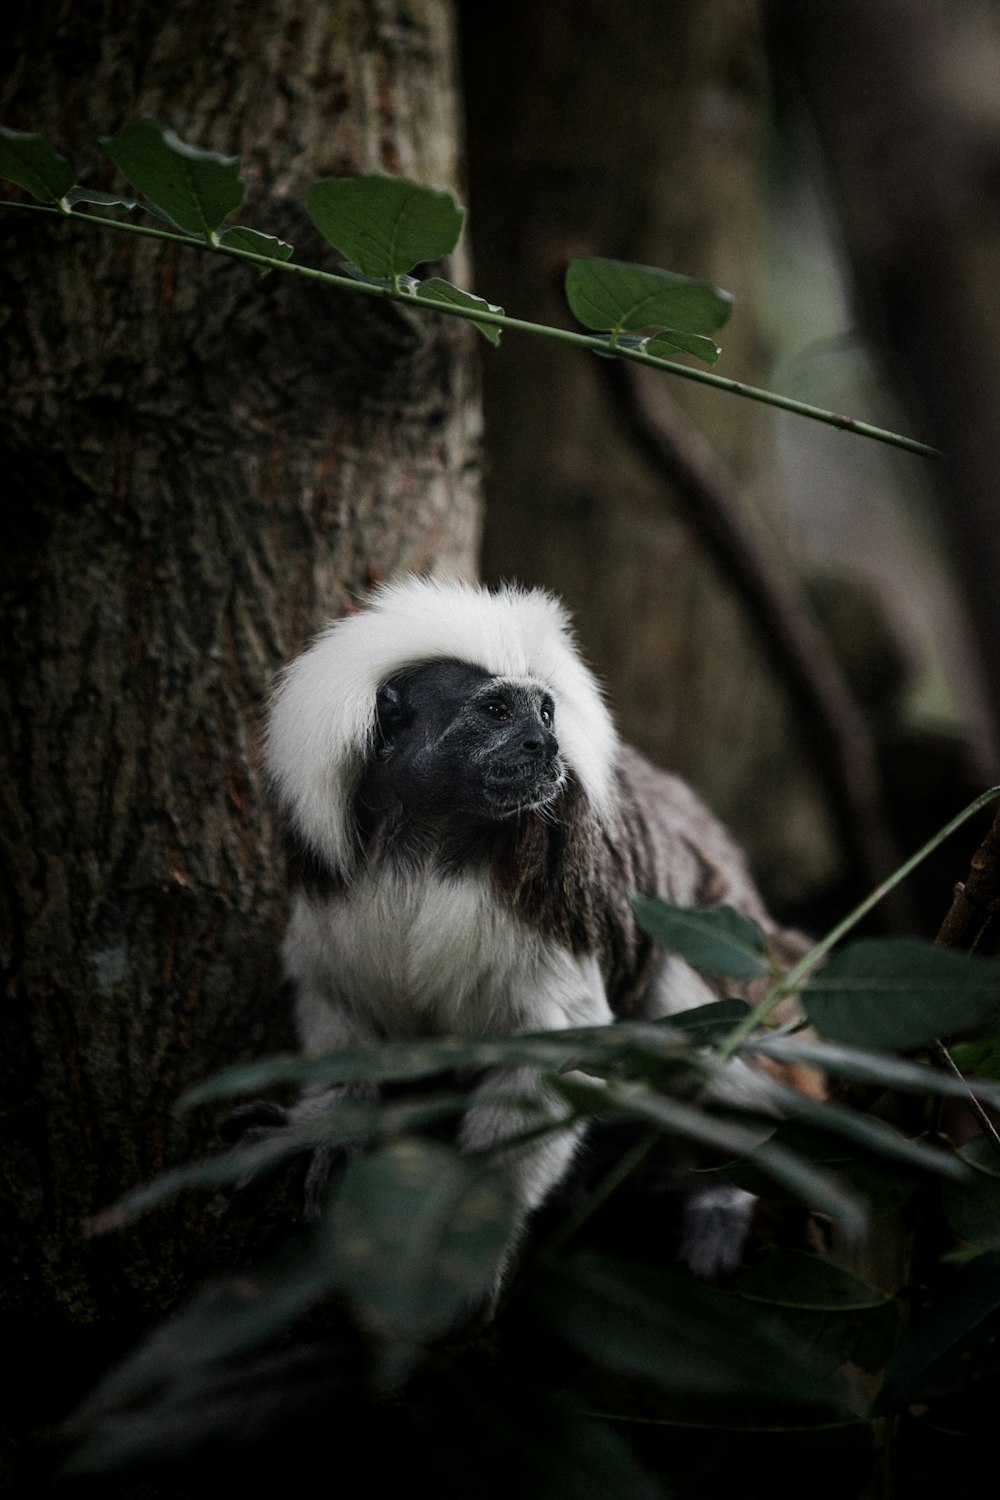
x=603 y=1366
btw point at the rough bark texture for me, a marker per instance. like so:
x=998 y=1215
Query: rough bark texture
x=635 y=131
x=205 y=465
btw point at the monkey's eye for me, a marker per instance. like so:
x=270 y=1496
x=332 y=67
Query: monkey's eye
x=497 y=708
x=547 y=712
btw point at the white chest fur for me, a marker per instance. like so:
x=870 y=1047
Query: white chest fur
x=429 y=955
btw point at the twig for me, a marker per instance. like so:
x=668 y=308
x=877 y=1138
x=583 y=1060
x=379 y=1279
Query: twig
x=973 y=921
x=973 y=926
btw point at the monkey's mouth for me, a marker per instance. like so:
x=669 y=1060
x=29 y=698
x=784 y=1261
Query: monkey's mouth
x=516 y=786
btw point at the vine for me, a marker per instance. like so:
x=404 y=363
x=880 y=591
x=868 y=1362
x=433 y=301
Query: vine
x=385 y=227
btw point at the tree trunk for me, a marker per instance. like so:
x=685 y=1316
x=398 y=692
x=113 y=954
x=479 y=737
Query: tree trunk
x=205 y=464
x=636 y=132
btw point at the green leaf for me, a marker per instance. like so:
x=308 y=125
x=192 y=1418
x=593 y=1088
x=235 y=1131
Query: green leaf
x=347 y=1122
x=688 y=1338
x=876 y=1184
x=791 y=1278
x=823 y=1305
x=208 y=1406
x=238 y=238
x=386 y=225
x=103 y=200
x=416 y=1236
x=552 y=1051
x=744 y=1137
x=665 y=345
x=518 y=1439
x=710 y=1023
x=618 y=296
x=900 y=993
x=402 y=283
x=225 y=1320
x=981 y=1057
x=32 y=163
x=831 y=1120
x=953 y=1340
x=973 y=1208
x=195 y=189
x=883 y=1068
x=443 y=291
x=717 y=940
x=866 y=1131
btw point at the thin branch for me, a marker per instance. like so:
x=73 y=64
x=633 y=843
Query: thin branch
x=946 y=1060
x=517 y=325
x=973 y=926
x=791 y=982
x=973 y=921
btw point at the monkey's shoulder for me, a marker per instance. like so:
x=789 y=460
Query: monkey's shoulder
x=670 y=844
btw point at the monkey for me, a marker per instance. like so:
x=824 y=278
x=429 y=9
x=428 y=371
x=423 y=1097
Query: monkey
x=465 y=829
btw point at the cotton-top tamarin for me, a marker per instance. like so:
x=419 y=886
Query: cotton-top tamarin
x=466 y=829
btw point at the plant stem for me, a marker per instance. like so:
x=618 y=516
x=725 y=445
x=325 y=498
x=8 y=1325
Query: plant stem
x=791 y=981
x=592 y=342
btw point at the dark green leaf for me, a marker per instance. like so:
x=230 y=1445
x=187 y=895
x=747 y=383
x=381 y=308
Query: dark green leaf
x=981 y=1057
x=741 y=1137
x=386 y=225
x=688 y=1338
x=195 y=189
x=103 y=200
x=954 y=1339
x=718 y=940
x=618 y=296
x=239 y=238
x=225 y=1320
x=709 y=1023
x=882 y=1068
x=876 y=1185
x=791 y=1278
x=517 y=1439
x=666 y=345
x=416 y=1236
x=32 y=163
x=973 y=1208
x=866 y=1131
x=443 y=291
x=583 y=1047
x=226 y=1170
x=348 y=1122
x=212 y=1404
x=900 y=993
x=823 y=1306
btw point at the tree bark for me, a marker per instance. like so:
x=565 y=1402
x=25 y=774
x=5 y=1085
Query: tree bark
x=206 y=464
x=637 y=133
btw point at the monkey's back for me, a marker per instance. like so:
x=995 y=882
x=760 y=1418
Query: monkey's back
x=663 y=842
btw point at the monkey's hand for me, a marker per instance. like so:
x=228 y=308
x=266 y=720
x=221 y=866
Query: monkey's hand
x=715 y=1227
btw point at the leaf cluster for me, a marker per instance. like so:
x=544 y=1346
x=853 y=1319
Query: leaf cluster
x=415 y=1235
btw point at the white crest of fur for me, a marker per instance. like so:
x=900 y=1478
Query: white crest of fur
x=323 y=714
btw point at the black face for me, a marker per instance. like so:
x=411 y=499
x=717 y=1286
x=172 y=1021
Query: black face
x=454 y=740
